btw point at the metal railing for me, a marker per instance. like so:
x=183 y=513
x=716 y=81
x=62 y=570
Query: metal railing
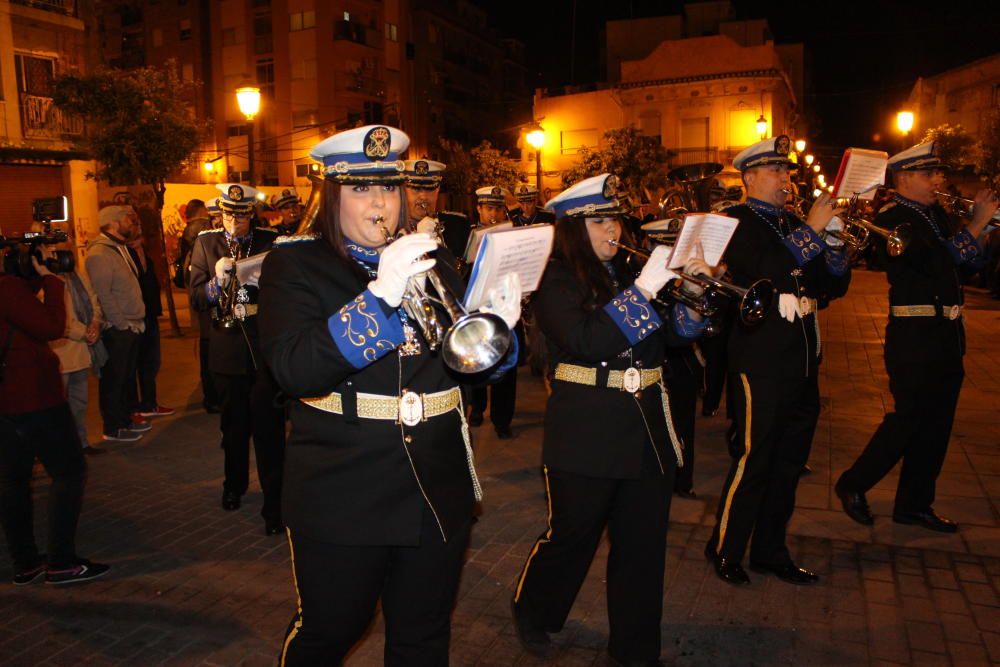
x=40 y=118
x=65 y=7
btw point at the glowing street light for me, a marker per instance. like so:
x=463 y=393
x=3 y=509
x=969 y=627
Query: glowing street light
x=762 y=127
x=810 y=158
x=800 y=145
x=535 y=137
x=904 y=121
x=248 y=99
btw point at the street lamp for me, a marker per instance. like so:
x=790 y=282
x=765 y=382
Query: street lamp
x=536 y=139
x=762 y=127
x=809 y=159
x=248 y=98
x=800 y=145
x=904 y=121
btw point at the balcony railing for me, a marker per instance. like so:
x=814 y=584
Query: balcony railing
x=361 y=85
x=41 y=119
x=65 y=7
x=358 y=33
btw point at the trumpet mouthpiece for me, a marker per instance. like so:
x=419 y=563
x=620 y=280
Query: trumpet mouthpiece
x=378 y=220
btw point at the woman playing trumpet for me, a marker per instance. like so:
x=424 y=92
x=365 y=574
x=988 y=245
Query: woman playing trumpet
x=380 y=483
x=610 y=451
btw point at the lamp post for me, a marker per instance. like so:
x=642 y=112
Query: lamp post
x=762 y=126
x=800 y=145
x=248 y=98
x=536 y=139
x=904 y=123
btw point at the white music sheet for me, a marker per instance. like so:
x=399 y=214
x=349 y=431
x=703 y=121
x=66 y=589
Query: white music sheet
x=712 y=230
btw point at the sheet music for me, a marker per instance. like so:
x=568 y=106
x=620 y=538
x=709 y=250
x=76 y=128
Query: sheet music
x=248 y=269
x=711 y=229
x=521 y=250
x=476 y=237
x=861 y=172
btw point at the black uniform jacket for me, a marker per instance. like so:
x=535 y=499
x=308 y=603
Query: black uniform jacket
x=540 y=216
x=594 y=430
x=349 y=480
x=776 y=346
x=926 y=273
x=228 y=350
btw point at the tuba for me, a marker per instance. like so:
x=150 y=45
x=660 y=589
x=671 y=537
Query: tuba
x=472 y=342
x=313 y=205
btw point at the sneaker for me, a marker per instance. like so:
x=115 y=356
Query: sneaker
x=139 y=427
x=159 y=411
x=122 y=435
x=82 y=570
x=25 y=577
x=137 y=418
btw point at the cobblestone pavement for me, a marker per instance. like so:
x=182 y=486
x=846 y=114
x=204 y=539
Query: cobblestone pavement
x=193 y=585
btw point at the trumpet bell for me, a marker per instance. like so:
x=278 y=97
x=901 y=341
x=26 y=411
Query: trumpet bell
x=897 y=240
x=475 y=342
x=756 y=302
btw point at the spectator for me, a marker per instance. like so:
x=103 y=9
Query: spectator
x=80 y=349
x=114 y=277
x=148 y=356
x=35 y=421
x=199 y=220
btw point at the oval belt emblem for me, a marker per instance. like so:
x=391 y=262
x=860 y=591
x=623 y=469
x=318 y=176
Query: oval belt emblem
x=632 y=380
x=240 y=311
x=411 y=408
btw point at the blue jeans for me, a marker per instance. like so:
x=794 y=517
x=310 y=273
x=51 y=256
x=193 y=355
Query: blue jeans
x=76 y=394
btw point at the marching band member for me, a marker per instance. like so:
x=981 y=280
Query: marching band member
x=380 y=483
x=501 y=396
x=924 y=342
x=245 y=386
x=527 y=211
x=423 y=186
x=773 y=367
x=287 y=203
x=609 y=451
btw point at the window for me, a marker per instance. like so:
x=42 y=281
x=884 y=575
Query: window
x=238 y=176
x=262 y=31
x=373 y=113
x=303 y=170
x=34 y=75
x=265 y=77
x=185 y=29
x=347 y=16
x=157 y=37
x=390 y=32
x=187 y=72
x=229 y=36
x=236 y=130
x=306 y=118
x=301 y=21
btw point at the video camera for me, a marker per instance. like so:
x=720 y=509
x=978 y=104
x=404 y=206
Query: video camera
x=18 y=250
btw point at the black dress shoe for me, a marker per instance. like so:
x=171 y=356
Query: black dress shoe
x=230 y=501
x=686 y=493
x=212 y=408
x=929 y=520
x=855 y=504
x=533 y=638
x=728 y=570
x=273 y=526
x=504 y=432
x=789 y=572
x=475 y=418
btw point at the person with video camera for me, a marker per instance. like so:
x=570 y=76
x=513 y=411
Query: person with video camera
x=36 y=422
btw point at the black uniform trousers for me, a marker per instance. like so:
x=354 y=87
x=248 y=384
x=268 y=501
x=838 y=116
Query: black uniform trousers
x=338 y=587
x=210 y=395
x=502 y=396
x=775 y=420
x=248 y=409
x=147 y=366
x=50 y=435
x=683 y=378
x=918 y=431
x=117 y=383
x=635 y=512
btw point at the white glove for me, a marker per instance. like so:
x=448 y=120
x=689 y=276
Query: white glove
x=655 y=275
x=224 y=270
x=398 y=262
x=427 y=225
x=505 y=300
x=253 y=280
x=835 y=225
x=788 y=306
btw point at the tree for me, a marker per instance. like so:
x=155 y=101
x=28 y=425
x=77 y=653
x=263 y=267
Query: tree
x=476 y=167
x=140 y=129
x=988 y=149
x=639 y=161
x=953 y=144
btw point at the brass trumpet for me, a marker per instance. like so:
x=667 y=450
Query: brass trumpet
x=963 y=206
x=857 y=231
x=473 y=342
x=753 y=302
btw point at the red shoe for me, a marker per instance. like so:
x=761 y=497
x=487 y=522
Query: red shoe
x=160 y=411
x=137 y=418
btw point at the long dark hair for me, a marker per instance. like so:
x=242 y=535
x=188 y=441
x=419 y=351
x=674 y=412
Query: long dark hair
x=572 y=245
x=328 y=227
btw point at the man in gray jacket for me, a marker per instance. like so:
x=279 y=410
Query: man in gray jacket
x=113 y=275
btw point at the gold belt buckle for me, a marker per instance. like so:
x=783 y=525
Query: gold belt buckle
x=240 y=311
x=411 y=408
x=954 y=312
x=632 y=380
x=805 y=305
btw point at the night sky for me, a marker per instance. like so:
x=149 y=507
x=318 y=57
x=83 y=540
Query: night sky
x=862 y=62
